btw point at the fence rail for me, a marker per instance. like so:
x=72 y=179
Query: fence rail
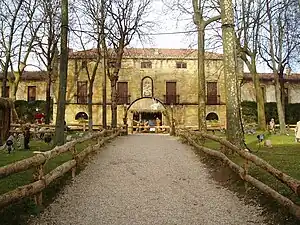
x=242 y=171
x=38 y=161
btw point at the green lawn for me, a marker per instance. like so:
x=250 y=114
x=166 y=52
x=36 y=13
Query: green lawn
x=283 y=155
x=26 y=207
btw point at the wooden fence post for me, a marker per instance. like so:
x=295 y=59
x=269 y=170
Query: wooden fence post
x=246 y=170
x=74 y=152
x=38 y=175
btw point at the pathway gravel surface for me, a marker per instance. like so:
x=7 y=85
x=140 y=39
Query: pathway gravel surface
x=148 y=179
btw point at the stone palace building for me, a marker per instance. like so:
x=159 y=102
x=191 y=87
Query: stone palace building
x=152 y=83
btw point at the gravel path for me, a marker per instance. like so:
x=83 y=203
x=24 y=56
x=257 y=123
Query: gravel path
x=147 y=179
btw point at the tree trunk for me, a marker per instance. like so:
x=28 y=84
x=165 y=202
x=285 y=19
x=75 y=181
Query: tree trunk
x=48 y=99
x=104 y=102
x=114 y=105
x=259 y=95
x=63 y=70
x=234 y=125
x=104 y=120
x=276 y=75
x=201 y=80
x=279 y=104
x=4 y=81
x=90 y=106
x=282 y=92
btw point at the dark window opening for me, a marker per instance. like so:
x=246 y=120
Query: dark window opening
x=113 y=64
x=122 y=93
x=212 y=116
x=181 y=65
x=31 y=93
x=171 y=97
x=6 y=92
x=81 y=116
x=146 y=64
x=82 y=92
x=212 y=97
x=84 y=64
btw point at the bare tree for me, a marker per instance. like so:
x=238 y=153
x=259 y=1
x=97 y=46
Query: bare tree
x=92 y=32
x=10 y=23
x=279 y=46
x=234 y=125
x=46 y=46
x=63 y=70
x=125 y=19
x=201 y=21
x=250 y=19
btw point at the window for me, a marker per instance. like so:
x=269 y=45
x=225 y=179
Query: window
x=82 y=92
x=6 y=92
x=122 y=93
x=212 y=97
x=170 y=93
x=113 y=64
x=31 y=93
x=84 y=64
x=81 y=116
x=146 y=64
x=181 y=65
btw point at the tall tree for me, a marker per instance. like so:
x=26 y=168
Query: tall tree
x=234 y=125
x=250 y=18
x=19 y=26
x=279 y=46
x=92 y=33
x=46 y=48
x=63 y=70
x=125 y=19
x=201 y=22
x=104 y=98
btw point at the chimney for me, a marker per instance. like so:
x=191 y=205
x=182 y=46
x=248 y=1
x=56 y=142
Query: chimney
x=70 y=50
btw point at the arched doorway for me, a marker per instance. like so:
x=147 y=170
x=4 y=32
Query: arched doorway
x=145 y=110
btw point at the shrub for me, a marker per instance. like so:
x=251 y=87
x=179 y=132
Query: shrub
x=26 y=110
x=249 y=112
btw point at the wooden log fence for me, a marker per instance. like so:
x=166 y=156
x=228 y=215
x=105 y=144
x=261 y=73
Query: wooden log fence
x=38 y=161
x=242 y=171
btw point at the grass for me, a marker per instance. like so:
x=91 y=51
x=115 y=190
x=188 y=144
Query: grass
x=283 y=155
x=18 y=213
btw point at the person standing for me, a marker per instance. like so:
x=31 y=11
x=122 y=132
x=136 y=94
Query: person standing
x=272 y=126
x=26 y=137
x=297 y=132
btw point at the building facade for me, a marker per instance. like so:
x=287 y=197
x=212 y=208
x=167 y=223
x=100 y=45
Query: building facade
x=32 y=86
x=153 y=83
x=291 y=88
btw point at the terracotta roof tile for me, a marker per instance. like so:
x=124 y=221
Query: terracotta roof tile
x=30 y=75
x=294 y=77
x=150 y=53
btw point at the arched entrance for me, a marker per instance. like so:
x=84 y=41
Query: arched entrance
x=212 y=116
x=146 y=111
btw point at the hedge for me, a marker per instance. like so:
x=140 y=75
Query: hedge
x=26 y=110
x=249 y=112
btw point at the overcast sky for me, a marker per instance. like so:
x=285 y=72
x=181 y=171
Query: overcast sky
x=165 y=34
